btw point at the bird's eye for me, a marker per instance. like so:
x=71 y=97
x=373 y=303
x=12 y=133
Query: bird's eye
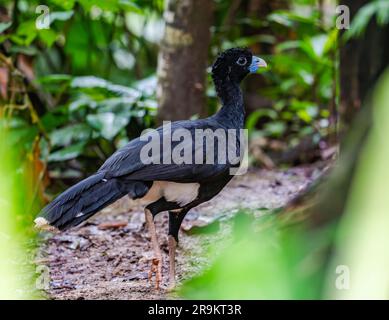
x=241 y=61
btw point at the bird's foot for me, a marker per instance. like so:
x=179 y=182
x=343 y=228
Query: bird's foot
x=156 y=268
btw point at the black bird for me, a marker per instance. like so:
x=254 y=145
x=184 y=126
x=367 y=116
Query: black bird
x=164 y=185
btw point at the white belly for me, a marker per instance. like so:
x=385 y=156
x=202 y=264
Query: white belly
x=181 y=193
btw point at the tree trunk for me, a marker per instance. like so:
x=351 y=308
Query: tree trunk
x=183 y=59
x=362 y=61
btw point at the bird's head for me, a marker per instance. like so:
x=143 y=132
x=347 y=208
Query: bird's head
x=234 y=64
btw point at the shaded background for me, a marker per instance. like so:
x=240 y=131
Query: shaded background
x=103 y=71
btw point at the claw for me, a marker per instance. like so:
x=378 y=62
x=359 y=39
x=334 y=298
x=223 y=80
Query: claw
x=156 y=267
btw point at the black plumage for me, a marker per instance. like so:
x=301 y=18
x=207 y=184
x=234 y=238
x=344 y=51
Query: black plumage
x=125 y=174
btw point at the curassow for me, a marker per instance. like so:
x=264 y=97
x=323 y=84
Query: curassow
x=164 y=186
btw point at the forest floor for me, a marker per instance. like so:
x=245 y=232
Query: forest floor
x=109 y=256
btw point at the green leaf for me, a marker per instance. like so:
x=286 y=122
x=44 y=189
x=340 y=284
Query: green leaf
x=14 y=123
x=276 y=128
x=28 y=51
x=129 y=6
x=288 y=45
x=147 y=86
x=304 y=115
x=4 y=26
x=307 y=77
x=108 y=124
x=365 y=14
x=69 y=134
x=331 y=44
x=67 y=153
x=250 y=40
x=26 y=33
x=297 y=105
x=48 y=36
x=254 y=117
x=23 y=136
x=383 y=15
x=61 y=15
x=95 y=82
x=54 y=78
x=280 y=19
x=65 y=4
x=105 y=5
x=82 y=101
x=3 y=37
x=289 y=19
x=52 y=120
x=318 y=44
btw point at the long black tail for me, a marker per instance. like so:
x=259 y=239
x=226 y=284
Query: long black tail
x=84 y=199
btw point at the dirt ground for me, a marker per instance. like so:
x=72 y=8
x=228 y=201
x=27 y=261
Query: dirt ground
x=109 y=256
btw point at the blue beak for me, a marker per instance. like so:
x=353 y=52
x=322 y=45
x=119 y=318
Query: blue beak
x=256 y=63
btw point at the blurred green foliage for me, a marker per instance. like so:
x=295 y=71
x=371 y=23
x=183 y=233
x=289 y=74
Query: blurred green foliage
x=347 y=259
x=99 y=118
x=362 y=239
x=302 y=85
x=376 y=8
x=273 y=262
x=91 y=88
x=94 y=69
x=299 y=42
x=17 y=239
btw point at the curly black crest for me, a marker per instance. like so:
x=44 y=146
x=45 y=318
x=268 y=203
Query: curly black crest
x=232 y=64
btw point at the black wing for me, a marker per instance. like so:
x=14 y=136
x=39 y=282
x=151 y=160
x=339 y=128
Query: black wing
x=127 y=162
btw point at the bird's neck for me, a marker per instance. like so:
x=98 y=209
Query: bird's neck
x=232 y=111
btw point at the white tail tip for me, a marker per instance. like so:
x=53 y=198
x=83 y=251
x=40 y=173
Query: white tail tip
x=43 y=224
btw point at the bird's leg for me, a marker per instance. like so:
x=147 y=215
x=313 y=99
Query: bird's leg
x=156 y=262
x=172 y=262
x=175 y=220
